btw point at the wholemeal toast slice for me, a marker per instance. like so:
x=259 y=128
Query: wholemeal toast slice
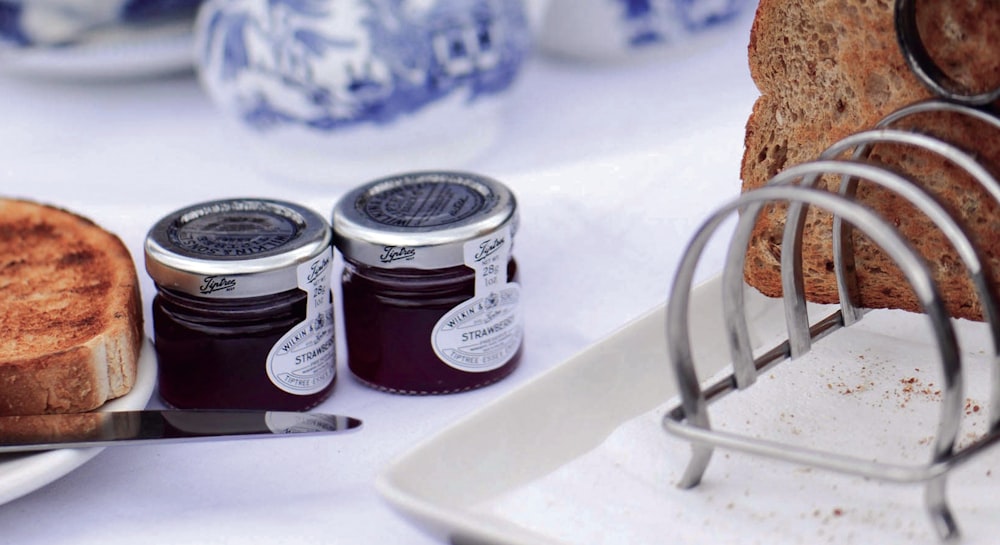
x=70 y=312
x=830 y=68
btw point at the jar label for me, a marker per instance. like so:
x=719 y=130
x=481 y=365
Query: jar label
x=485 y=332
x=304 y=360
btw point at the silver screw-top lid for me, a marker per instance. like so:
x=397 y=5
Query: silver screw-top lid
x=234 y=248
x=420 y=220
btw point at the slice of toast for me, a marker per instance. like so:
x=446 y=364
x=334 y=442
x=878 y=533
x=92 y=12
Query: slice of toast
x=70 y=312
x=830 y=68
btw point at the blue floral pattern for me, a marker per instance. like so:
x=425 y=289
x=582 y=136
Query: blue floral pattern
x=10 y=25
x=140 y=11
x=330 y=64
x=652 y=22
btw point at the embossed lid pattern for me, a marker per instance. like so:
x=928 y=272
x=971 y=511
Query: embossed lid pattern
x=420 y=220
x=234 y=248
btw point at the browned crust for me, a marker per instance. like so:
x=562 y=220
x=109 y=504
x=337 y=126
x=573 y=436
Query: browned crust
x=72 y=315
x=81 y=427
x=829 y=68
x=40 y=428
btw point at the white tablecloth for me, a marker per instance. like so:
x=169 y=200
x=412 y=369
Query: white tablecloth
x=613 y=166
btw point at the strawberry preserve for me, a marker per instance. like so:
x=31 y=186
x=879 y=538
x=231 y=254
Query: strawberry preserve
x=243 y=316
x=430 y=294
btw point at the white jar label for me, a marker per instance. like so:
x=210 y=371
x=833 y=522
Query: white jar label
x=485 y=332
x=304 y=360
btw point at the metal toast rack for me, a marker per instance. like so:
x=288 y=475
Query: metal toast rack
x=796 y=186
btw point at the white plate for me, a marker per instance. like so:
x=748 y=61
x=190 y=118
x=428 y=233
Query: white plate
x=578 y=454
x=116 y=53
x=22 y=474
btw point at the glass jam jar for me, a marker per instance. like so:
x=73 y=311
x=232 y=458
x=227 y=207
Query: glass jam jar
x=429 y=288
x=243 y=314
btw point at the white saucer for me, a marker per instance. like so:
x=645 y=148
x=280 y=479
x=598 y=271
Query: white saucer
x=22 y=474
x=116 y=53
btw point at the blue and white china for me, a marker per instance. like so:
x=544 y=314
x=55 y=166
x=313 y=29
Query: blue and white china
x=59 y=23
x=610 y=30
x=333 y=65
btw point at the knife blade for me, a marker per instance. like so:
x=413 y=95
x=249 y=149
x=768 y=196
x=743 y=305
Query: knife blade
x=114 y=428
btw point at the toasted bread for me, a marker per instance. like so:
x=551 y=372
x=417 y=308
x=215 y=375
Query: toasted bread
x=830 y=68
x=70 y=312
x=87 y=426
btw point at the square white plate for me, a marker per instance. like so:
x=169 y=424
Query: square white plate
x=478 y=482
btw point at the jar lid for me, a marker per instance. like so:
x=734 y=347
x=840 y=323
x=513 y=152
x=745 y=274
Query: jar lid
x=420 y=220
x=234 y=248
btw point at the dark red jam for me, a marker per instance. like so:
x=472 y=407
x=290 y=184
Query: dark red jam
x=389 y=319
x=212 y=354
x=430 y=297
x=243 y=317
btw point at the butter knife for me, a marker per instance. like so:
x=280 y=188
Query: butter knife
x=114 y=428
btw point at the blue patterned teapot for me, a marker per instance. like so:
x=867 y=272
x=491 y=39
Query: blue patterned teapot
x=332 y=66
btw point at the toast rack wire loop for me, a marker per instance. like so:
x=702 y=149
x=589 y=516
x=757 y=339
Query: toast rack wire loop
x=862 y=144
x=796 y=186
x=921 y=63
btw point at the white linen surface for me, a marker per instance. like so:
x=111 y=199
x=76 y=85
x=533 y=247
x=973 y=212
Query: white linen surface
x=871 y=392
x=613 y=167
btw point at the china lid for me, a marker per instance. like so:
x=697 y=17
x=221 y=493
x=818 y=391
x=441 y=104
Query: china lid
x=234 y=248
x=420 y=220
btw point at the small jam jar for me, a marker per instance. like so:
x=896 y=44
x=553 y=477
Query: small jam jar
x=243 y=314
x=430 y=294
